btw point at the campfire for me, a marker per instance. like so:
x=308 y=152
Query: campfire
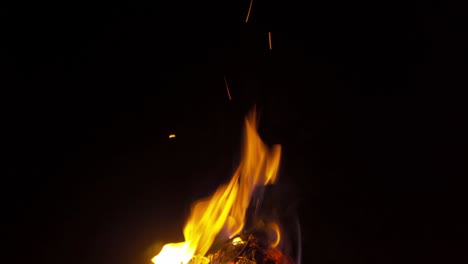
x=227 y=227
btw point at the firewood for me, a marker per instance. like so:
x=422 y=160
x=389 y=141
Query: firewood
x=245 y=249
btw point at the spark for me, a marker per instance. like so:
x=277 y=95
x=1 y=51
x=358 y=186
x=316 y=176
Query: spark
x=248 y=12
x=269 y=39
x=172 y=136
x=227 y=88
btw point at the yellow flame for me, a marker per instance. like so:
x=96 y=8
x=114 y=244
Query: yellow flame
x=224 y=211
x=174 y=253
x=172 y=136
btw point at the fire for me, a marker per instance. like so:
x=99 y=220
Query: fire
x=277 y=232
x=224 y=212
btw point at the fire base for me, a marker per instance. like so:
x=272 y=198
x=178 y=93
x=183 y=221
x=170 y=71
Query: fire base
x=245 y=249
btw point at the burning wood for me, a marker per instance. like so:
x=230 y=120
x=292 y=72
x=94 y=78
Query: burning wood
x=245 y=249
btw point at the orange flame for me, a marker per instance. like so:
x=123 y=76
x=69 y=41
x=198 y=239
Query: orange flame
x=277 y=236
x=224 y=212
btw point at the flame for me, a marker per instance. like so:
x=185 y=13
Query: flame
x=224 y=212
x=277 y=232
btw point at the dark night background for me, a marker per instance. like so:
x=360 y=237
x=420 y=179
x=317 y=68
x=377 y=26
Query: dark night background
x=363 y=97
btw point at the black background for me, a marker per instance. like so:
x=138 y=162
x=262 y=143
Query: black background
x=363 y=96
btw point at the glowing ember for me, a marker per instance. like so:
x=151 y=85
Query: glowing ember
x=248 y=12
x=172 y=136
x=224 y=212
x=237 y=241
x=269 y=40
x=227 y=89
